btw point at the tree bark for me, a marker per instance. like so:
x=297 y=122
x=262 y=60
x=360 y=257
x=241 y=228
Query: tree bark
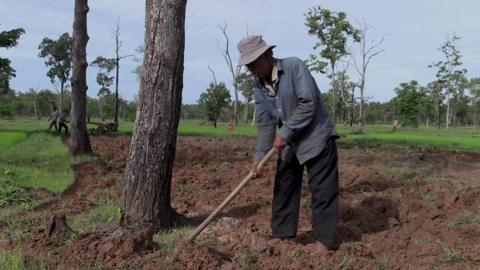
x=146 y=194
x=80 y=143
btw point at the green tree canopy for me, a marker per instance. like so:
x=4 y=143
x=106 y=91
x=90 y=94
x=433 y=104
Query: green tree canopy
x=333 y=31
x=213 y=100
x=8 y=39
x=105 y=66
x=58 y=59
x=407 y=103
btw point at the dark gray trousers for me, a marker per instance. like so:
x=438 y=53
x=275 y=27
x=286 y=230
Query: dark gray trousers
x=323 y=185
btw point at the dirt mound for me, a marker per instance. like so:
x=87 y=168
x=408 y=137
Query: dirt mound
x=113 y=248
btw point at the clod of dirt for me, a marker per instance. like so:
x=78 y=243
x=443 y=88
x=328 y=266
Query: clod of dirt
x=58 y=225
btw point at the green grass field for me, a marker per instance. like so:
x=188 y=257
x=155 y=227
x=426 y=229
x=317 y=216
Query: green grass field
x=30 y=159
x=461 y=138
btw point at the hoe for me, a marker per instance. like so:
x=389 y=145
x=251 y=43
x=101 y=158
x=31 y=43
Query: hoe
x=230 y=197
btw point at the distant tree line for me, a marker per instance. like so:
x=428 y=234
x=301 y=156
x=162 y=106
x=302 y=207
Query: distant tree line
x=39 y=104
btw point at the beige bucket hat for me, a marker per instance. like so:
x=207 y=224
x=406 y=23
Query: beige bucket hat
x=252 y=47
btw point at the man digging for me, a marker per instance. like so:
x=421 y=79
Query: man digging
x=287 y=97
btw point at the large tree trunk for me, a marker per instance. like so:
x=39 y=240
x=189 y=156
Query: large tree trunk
x=80 y=143
x=146 y=195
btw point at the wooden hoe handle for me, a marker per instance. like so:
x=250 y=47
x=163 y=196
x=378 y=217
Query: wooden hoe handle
x=229 y=198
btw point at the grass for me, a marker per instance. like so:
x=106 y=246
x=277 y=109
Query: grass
x=104 y=212
x=466 y=218
x=168 y=240
x=40 y=161
x=12 y=260
x=459 y=138
x=11 y=137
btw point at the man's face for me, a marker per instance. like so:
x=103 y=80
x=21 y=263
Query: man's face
x=261 y=67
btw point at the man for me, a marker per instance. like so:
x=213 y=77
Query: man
x=53 y=118
x=395 y=125
x=288 y=97
x=62 y=119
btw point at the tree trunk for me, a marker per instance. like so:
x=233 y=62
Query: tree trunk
x=334 y=119
x=475 y=123
x=117 y=67
x=245 y=115
x=148 y=173
x=62 y=83
x=447 y=117
x=352 y=109
x=253 y=119
x=35 y=108
x=80 y=143
x=360 y=112
x=235 y=105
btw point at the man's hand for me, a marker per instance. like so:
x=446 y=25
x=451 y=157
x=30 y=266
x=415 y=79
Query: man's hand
x=257 y=170
x=279 y=143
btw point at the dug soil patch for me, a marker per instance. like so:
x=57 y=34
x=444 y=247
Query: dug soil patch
x=400 y=208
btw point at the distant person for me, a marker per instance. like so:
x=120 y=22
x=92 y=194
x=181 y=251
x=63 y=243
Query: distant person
x=231 y=127
x=53 y=118
x=287 y=97
x=62 y=119
x=395 y=125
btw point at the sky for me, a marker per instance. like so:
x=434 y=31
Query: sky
x=413 y=30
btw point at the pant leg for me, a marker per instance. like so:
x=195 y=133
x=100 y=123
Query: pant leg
x=286 y=198
x=62 y=125
x=54 y=125
x=323 y=184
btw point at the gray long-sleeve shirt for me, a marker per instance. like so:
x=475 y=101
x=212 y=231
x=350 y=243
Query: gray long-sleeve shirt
x=297 y=109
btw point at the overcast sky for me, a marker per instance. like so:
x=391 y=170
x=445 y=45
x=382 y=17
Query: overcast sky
x=413 y=31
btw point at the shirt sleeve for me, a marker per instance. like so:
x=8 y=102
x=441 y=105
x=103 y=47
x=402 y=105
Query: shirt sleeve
x=265 y=128
x=305 y=88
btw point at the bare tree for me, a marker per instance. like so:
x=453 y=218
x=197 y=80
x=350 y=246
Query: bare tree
x=213 y=74
x=234 y=69
x=367 y=50
x=80 y=143
x=148 y=173
x=34 y=93
x=118 y=45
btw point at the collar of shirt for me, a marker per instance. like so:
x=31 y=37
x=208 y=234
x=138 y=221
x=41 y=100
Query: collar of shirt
x=277 y=69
